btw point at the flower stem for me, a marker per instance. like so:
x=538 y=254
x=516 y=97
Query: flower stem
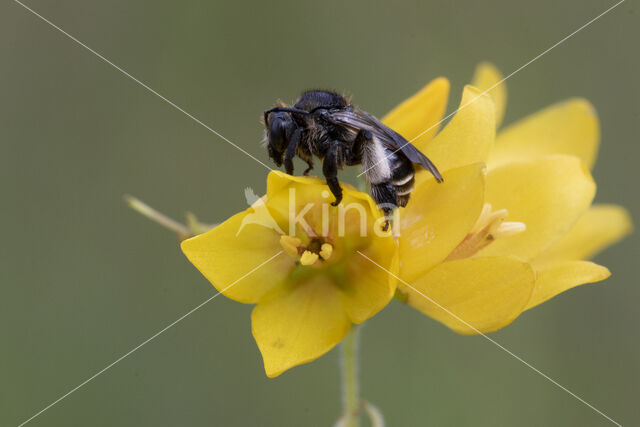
x=350 y=384
x=154 y=215
x=193 y=227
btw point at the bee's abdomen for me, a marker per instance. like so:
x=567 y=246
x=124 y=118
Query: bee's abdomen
x=402 y=178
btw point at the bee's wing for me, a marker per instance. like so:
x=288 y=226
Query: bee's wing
x=358 y=119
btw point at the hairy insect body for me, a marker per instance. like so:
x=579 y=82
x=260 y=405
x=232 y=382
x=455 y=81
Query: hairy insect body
x=325 y=125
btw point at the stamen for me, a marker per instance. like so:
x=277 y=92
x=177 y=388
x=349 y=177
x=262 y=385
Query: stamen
x=290 y=245
x=507 y=229
x=308 y=258
x=326 y=250
x=309 y=253
x=482 y=218
x=489 y=226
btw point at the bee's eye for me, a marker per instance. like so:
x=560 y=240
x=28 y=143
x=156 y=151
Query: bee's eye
x=278 y=131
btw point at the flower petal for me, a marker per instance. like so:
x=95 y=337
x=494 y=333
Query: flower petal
x=600 y=227
x=293 y=200
x=231 y=250
x=555 y=278
x=569 y=127
x=354 y=225
x=368 y=290
x=438 y=217
x=548 y=194
x=473 y=295
x=297 y=324
x=469 y=137
x=488 y=76
x=419 y=116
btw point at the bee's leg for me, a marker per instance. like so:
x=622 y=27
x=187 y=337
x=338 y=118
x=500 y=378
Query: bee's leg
x=330 y=171
x=292 y=149
x=384 y=194
x=387 y=219
x=307 y=170
x=363 y=138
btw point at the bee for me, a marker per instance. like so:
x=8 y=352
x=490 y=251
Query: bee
x=325 y=125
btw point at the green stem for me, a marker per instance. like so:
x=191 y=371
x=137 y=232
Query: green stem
x=350 y=384
x=158 y=217
x=193 y=227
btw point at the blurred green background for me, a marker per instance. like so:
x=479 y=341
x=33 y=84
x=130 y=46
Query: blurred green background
x=83 y=279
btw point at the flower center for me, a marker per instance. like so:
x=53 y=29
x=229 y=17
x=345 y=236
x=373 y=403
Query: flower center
x=309 y=254
x=490 y=226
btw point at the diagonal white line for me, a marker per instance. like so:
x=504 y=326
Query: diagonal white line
x=168 y=101
x=136 y=348
x=500 y=346
x=501 y=81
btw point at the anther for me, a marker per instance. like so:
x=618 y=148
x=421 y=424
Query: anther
x=326 y=250
x=308 y=258
x=489 y=226
x=290 y=245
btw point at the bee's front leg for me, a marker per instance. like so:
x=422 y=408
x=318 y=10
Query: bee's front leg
x=330 y=171
x=292 y=148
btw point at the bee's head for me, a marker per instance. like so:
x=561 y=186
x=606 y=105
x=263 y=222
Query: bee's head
x=279 y=126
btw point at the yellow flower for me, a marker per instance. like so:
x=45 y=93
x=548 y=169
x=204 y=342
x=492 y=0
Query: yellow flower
x=510 y=227
x=307 y=297
x=460 y=253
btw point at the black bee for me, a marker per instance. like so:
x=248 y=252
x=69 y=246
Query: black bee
x=324 y=124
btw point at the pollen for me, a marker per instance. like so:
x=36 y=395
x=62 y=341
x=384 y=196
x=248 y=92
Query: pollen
x=290 y=245
x=326 y=250
x=306 y=254
x=490 y=225
x=308 y=258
